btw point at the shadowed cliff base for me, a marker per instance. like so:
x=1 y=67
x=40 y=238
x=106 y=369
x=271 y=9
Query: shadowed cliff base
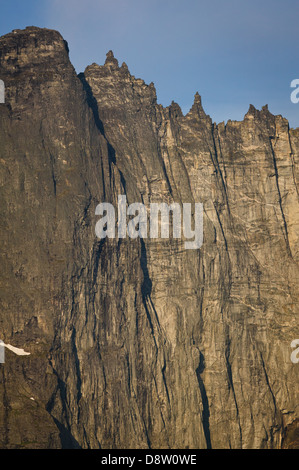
x=291 y=439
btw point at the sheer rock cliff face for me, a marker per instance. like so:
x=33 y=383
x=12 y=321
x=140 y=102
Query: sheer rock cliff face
x=141 y=343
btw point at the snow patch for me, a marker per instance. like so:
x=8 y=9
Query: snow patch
x=17 y=351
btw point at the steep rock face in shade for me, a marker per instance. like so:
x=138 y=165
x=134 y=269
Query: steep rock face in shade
x=141 y=343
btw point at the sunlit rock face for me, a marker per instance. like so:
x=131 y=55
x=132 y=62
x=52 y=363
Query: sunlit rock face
x=141 y=343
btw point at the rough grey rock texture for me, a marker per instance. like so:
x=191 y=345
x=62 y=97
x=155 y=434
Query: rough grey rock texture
x=141 y=343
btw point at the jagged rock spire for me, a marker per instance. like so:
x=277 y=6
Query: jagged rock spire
x=252 y=110
x=260 y=114
x=124 y=66
x=111 y=60
x=175 y=108
x=197 y=106
x=197 y=98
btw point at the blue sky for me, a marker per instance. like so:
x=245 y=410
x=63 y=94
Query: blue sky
x=233 y=52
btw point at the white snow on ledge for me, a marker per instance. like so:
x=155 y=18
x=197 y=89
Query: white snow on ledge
x=17 y=351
